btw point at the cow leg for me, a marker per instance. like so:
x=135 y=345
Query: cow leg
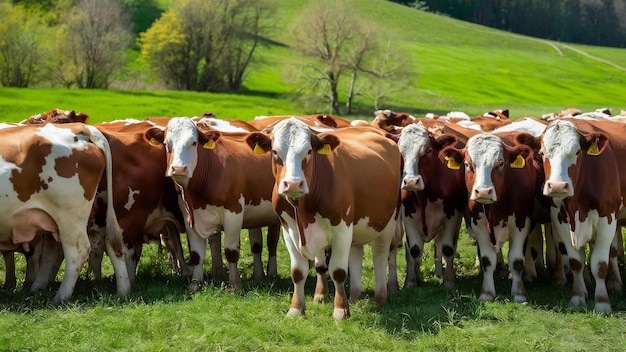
x=338 y=269
x=599 y=262
x=555 y=252
x=171 y=240
x=273 y=236
x=380 y=257
x=96 y=239
x=414 y=248
x=614 y=279
x=355 y=270
x=197 y=250
x=256 y=247
x=232 y=245
x=47 y=264
x=516 y=262
x=321 y=285
x=123 y=279
x=445 y=244
x=33 y=261
x=10 y=280
x=488 y=259
x=299 y=271
x=576 y=259
x=76 y=249
x=533 y=254
x=217 y=264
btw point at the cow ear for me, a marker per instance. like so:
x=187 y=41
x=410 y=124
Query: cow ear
x=259 y=142
x=393 y=137
x=326 y=120
x=324 y=143
x=154 y=136
x=208 y=138
x=445 y=140
x=594 y=143
x=528 y=139
x=452 y=157
x=517 y=156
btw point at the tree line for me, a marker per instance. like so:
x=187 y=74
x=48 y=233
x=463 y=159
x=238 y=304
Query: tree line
x=200 y=45
x=593 y=22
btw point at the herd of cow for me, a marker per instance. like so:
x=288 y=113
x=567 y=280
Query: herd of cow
x=332 y=185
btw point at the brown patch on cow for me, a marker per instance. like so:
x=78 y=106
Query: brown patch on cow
x=296 y=275
x=194 y=258
x=339 y=275
x=27 y=181
x=603 y=270
x=67 y=167
x=518 y=265
x=613 y=252
x=575 y=264
x=447 y=250
x=256 y=248
x=485 y=263
x=232 y=255
x=562 y=248
x=415 y=251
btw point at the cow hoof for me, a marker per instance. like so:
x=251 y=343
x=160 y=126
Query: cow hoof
x=341 y=314
x=294 y=312
x=487 y=296
x=319 y=298
x=519 y=299
x=603 y=308
x=194 y=286
x=577 y=301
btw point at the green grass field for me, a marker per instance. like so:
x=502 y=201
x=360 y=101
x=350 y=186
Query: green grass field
x=461 y=67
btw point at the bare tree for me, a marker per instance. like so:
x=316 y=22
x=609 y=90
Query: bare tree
x=92 y=43
x=205 y=44
x=20 y=50
x=327 y=34
x=389 y=72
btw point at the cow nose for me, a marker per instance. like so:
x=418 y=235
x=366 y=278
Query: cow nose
x=557 y=187
x=292 y=187
x=484 y=195
x=414 y=183
x=179 y=170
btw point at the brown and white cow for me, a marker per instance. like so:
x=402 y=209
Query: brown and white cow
x=434 y=197
x=49 y=175
x=334 y=190
x=587 y=182
x=146 y=202
x=501 y=176
x=226 y=186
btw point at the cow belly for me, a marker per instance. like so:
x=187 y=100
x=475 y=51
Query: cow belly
x=213 y=219
x=364 y=234
x=592 y=224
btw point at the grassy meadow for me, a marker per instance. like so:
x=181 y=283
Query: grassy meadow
x=460 y=67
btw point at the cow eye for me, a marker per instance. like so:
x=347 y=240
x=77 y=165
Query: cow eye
x=501 y=164
x=277 y=159
x=429 y=150
x=194 y=144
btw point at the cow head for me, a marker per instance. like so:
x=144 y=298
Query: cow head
x=181 y=143
x=293 y=144
x=562 y=146
x=417 y=146
x=487 y=160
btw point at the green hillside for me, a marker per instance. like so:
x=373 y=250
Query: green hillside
x=460 y=66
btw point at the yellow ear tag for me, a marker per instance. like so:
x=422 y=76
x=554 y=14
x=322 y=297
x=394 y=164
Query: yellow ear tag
x=209 y=145
x=452 y=164
x=325 y=150
x=519 y=163
x=389 y=128
x=593 y=149
x=154 y=142
x=258 y=149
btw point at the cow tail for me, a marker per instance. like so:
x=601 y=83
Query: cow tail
x=113 y=229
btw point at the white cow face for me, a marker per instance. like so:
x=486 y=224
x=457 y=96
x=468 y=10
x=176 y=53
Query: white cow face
x=483 y=157
x=414 y=143
x=181 y=141
x=290 y=151
x=560 y=149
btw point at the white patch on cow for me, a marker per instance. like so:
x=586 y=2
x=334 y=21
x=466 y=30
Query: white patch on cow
x=413 y=144
x=485 y=152
x=585 y=230
x=131 y=198
x=220 y=125
x=129 y=121
x=65 y=137
x=292 y=143
x=527 y=125
x=457 y=115
x=181 y=142
x=470 y=124
x=560 y=145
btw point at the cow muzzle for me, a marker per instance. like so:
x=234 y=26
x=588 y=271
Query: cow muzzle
x=557 y=189
x=485 y=195
x=292 y=188
x=413 y=183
